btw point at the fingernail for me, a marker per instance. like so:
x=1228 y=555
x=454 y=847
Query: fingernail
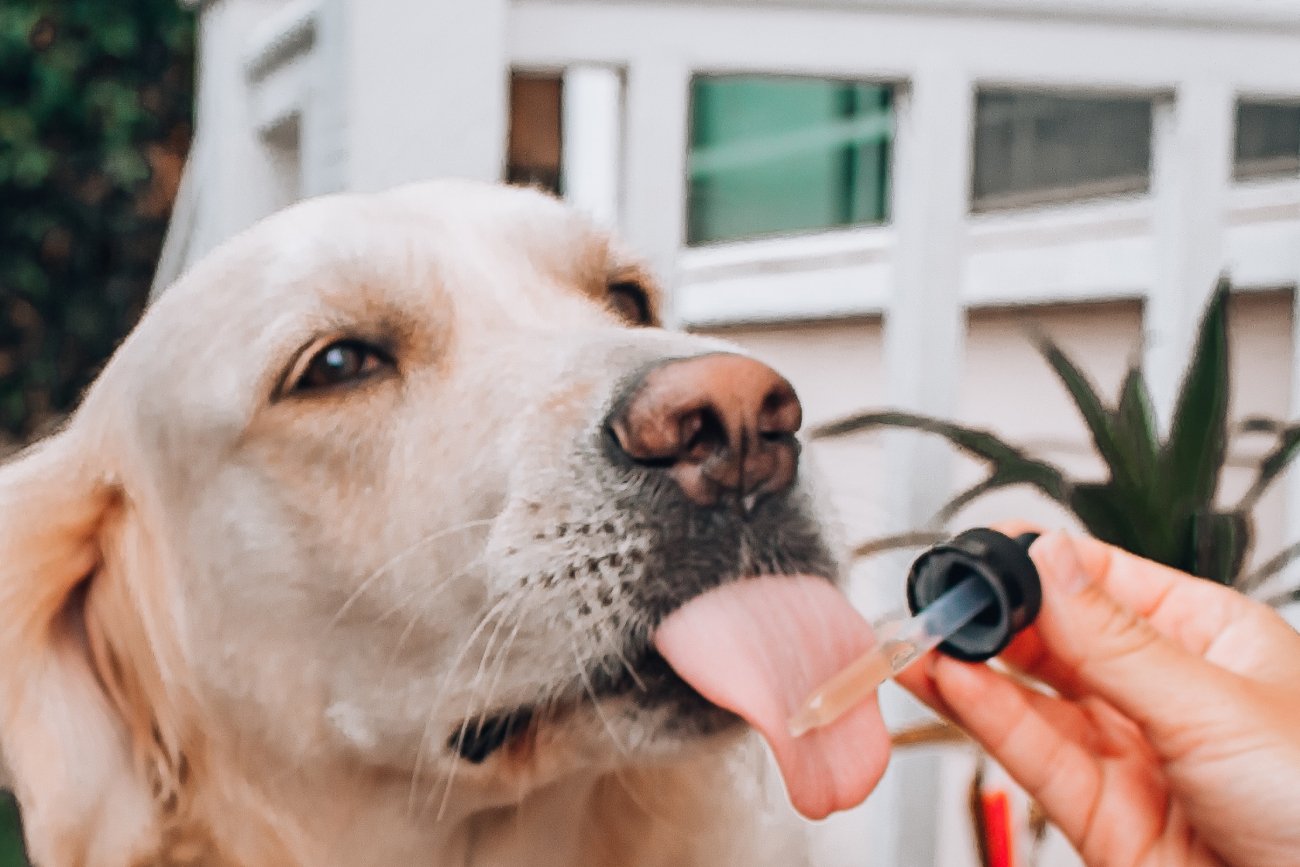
x=1058 y=564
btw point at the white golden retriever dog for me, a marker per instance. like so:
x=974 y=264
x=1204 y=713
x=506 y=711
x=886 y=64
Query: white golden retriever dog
x=354 y=555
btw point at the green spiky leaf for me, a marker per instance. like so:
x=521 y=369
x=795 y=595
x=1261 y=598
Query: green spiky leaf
x=1286 y=451
x=1194 y=453
x=1286 y=597
x=978 y=443
x=1138 y=441
x=1005 y=460
x=919 y=539
x=1268 y=569
x=1103 y=511
x=1260 y=425
x=1135 y=425
x=1101 y=423
x=1220 y=542
x=1158 y=501
x=964 y=498
x=1006 y=476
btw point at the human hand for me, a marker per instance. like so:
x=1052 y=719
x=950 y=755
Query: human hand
x=1174 y=733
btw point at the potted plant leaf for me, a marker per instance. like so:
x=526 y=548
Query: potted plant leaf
x=1160 y=495
x=1159 y=498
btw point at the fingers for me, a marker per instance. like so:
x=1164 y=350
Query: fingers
x=1042 y=742
x=915 y=679
x=918 y=680
x=1192 y=611
x=1088 y=642
x=1156 y=670
x=1204 y=618
x=1165 y=596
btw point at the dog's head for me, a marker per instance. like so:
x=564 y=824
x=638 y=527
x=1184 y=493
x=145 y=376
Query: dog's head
x=400 y=482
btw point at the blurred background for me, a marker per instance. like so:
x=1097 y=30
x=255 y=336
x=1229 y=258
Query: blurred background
x=96 y=116
x=885 y=199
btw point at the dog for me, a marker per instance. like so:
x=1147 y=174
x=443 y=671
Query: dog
x=353 y=555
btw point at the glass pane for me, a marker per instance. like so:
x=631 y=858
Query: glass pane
x=1033 y=148
x=533 y=150
x=776 y=155
x=1268 y=139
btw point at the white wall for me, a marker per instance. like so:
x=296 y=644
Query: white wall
x=426 y=91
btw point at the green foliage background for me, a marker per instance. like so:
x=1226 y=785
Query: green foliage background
x=11 y=843
x=95 y=120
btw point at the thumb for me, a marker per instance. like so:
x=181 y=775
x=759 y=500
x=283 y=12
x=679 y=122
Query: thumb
x=1106 y=649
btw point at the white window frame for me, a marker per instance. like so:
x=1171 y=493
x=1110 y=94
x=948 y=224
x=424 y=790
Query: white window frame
x=1151 y=246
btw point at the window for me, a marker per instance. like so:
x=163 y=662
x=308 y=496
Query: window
x=1268 y=140
x=1038 y=148
x=772 y=155
x=535 y=139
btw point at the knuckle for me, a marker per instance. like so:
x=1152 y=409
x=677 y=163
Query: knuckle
x=1119 y=633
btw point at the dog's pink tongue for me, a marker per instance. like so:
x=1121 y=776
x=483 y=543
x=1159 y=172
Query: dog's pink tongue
x=758 y=647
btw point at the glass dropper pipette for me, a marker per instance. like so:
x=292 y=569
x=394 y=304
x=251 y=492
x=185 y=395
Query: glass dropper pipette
x=901 y=644
x=969 y=597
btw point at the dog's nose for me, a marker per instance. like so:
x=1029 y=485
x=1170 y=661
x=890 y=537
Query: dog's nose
x=717 y=424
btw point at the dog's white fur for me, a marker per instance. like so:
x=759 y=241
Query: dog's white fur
x=237 y=623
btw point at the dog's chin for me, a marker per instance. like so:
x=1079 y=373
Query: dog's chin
x=646 y=689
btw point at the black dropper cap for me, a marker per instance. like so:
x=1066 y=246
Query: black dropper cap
x=1003 y=564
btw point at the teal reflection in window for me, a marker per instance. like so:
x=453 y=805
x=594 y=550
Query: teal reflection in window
x=776 y=155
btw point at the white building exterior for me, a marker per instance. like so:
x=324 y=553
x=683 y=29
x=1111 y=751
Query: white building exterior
x=920 y=311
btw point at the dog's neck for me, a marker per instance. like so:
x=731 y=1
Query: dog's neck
x=688 y=815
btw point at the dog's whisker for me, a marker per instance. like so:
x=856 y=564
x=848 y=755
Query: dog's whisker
x=480 y=676
x=511 y=607
x=424 y=748
x=446 y=795
x=397 y=646
x=424 y=596
x=616 y=645
x=502 y=658
x=410 y=550
x=618 y=773
x=422 y=593
x=585 y=680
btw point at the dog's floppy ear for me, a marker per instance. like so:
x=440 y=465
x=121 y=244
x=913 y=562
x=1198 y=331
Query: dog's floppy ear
x=78 y=675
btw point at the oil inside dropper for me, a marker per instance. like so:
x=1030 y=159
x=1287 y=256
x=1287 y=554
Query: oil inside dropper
x=899 y=644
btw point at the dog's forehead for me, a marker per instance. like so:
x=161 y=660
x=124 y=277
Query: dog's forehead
x=445 y=229
x=422 y=255
x=343 y=253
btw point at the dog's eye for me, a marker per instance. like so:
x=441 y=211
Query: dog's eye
x=630 y=302
x=339 y=363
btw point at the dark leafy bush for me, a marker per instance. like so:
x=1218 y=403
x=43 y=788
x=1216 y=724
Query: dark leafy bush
x=95 y=117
